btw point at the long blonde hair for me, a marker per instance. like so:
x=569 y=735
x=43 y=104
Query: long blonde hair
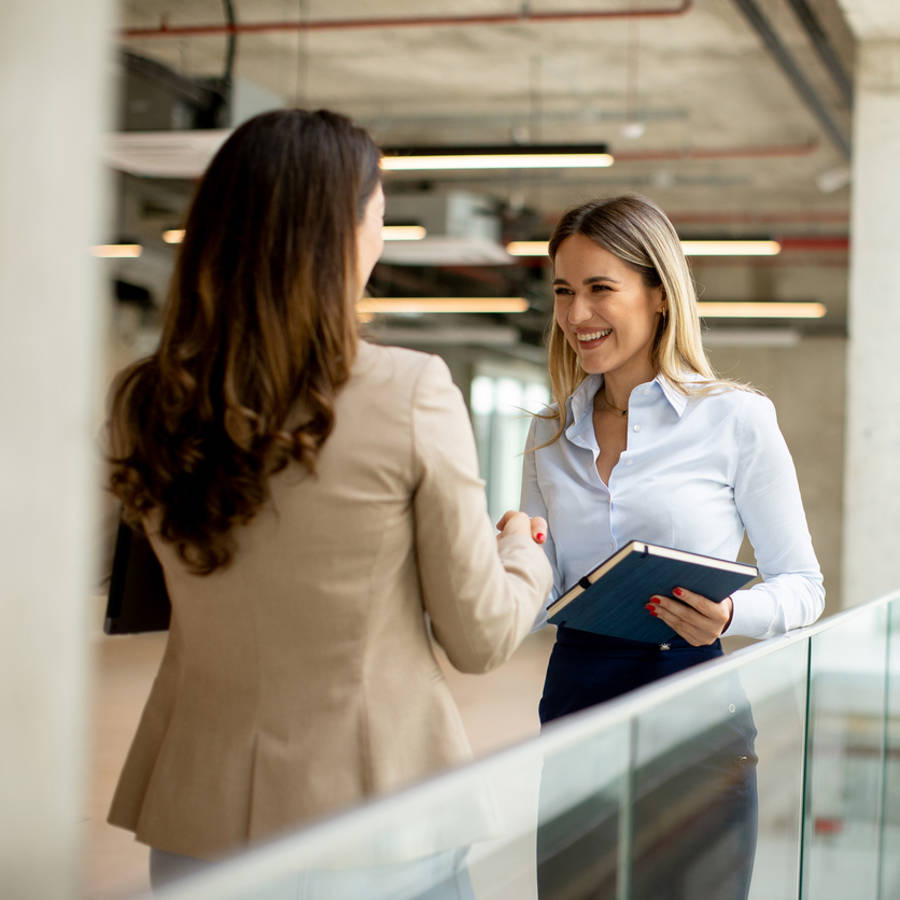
x=637 y=231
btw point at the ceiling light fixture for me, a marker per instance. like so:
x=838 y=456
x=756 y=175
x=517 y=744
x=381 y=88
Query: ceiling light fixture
x=421 y=305
x=117 y=251
x=512 y=156
x=403 y=233
x=690 y=248
x=388 y=232
x=527 y=248
x=764 y=309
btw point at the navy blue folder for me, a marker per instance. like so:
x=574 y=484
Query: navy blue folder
x=611 y=598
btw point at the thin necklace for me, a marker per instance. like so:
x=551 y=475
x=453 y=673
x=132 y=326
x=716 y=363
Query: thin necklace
x=621 y=412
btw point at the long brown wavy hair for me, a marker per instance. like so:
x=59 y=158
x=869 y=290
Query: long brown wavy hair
x=259 y=328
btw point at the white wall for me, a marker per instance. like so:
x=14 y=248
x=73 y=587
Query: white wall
x=806 y=384
x=51 y=100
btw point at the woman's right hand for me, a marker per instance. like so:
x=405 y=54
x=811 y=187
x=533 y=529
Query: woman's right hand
x=513 y=522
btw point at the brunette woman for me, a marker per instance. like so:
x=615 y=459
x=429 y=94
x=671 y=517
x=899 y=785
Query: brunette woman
x=310 y=497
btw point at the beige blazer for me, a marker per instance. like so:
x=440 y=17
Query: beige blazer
x=301 y=679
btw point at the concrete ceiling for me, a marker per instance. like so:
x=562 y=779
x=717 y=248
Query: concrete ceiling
x=873 y=19
x=719 y=134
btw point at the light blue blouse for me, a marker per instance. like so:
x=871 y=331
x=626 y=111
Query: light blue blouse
x=696 y=472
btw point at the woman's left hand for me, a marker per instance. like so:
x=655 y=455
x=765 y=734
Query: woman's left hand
x=697 y=619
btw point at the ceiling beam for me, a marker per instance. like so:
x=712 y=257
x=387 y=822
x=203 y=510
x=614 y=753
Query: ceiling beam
x=801 y=84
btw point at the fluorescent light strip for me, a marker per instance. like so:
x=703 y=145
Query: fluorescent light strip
x=409 y=305
x=527 y=248
x=117 y=251
x=690 y=248
x=773 y=309
x=388 y=232
x=496 y=161
x=403 y=232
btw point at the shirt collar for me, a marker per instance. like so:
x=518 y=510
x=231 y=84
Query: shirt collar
x=581 y=400
x=580 y=403
x=677 y=400
x=579 y=411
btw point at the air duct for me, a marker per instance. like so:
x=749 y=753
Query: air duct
x=461 y=229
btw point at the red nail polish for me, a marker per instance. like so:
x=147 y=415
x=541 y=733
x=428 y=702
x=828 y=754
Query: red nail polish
x=540 y=537
x=678 y=592
x=655 y=601
x=652 y=611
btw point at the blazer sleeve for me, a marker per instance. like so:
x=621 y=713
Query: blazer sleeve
x=532 y=502
x=768 y=499
x=482 y=592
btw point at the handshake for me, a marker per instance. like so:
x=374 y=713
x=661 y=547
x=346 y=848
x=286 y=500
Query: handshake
x=513 y=522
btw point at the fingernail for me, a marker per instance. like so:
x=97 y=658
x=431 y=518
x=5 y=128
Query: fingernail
x=678 y=592
x=655 y=600
x=652 y=611
x=540 y=537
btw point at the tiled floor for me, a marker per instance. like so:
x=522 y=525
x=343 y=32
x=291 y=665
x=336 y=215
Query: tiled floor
x=498 y=708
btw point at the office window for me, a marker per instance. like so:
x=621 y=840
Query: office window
x=501 y=405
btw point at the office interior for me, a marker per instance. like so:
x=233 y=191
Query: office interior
x=768 y=130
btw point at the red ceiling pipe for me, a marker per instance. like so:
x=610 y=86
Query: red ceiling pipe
x=405 y=22
x=814 y=243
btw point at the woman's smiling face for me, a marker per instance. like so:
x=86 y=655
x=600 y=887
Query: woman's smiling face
x=607 y=313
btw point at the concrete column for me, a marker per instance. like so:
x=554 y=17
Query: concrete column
x=51 y=61
x=872 y=473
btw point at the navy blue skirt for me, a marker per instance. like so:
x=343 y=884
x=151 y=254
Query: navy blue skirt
x=586 y=668
x=694 y=812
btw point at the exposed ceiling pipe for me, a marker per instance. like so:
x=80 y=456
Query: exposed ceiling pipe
x=185 y=154
x=228 y=74
x=815 y=243
x=807 y=92
x=198 y=97
x=523 y=17
x=824 y=48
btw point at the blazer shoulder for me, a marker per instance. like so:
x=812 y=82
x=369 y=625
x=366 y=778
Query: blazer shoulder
x=398 y=365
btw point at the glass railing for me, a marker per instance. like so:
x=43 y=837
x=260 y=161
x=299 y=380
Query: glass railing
x=771 y=773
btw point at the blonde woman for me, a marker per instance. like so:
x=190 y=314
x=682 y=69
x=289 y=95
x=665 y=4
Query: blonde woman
x=645 y=442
